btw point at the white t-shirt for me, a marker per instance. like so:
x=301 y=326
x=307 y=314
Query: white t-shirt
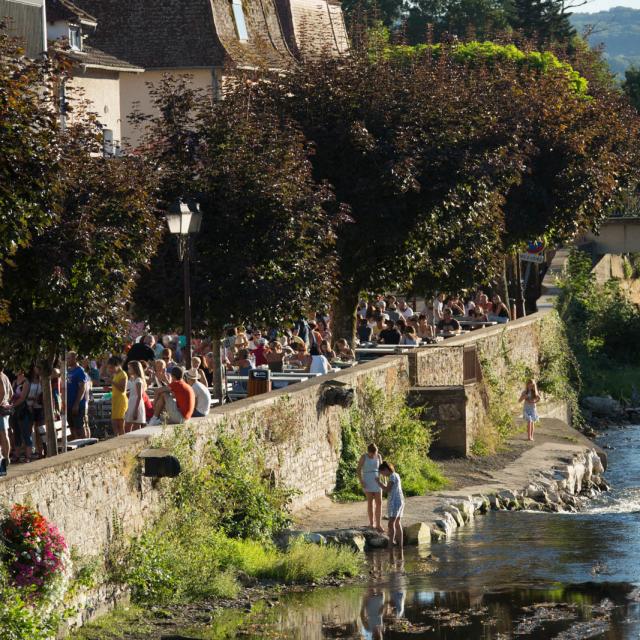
x=319 y=364
x=203 y=398
x=407 y=313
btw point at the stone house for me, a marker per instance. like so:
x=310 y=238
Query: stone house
x=207 y=40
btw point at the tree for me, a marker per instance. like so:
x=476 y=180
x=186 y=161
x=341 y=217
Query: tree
x=70 y=287
x=460 y=18
x=449 y=156
x=543 y=21
x=631 y=86
x=30 y=147
x=265 y=250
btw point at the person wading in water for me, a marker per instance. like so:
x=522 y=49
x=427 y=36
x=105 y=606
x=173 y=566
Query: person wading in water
x=368 y=475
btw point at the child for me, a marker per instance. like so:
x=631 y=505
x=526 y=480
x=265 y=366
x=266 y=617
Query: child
x=531 y=397
x=395 y=501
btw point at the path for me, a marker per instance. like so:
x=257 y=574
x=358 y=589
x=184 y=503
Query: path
x=520 y=464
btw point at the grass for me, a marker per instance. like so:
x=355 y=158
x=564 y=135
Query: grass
x=181 y=562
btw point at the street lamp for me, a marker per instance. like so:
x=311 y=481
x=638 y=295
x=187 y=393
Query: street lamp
x=184 y=218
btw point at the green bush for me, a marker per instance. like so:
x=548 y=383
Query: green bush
x=401 y=435
x=19 y=618
x=222 y=516
x=227 y=484
x=603 y=330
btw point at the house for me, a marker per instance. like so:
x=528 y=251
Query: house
x=205 y=39
x=314 y=27
x=26 y=20
x=96 y=75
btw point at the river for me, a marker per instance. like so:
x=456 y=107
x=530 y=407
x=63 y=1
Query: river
x=520 y=575
x=509 y=575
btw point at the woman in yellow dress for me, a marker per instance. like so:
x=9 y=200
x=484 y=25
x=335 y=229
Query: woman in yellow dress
x=119 y=400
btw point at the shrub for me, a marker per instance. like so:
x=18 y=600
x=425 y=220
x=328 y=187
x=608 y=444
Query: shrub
x=401 y=435
x=34 y=551
x=228 y=485
x=304 y=562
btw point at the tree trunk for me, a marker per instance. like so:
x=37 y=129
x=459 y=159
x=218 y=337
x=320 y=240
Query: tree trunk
x=219 y=391
x=46 y=367
x=344 y=314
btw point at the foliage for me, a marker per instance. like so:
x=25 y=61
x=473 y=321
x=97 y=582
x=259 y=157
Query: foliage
x=226 y=484
x=33 y=549
x=603 y=326
x=19 y=620
x=401 y=436
x=71 y=286
x=30 y=143
x=34 y=568
x=557 y=373
x=222 y=516
x=439 y=183
x=631 y=86
x=265 y=248
x=475 y=52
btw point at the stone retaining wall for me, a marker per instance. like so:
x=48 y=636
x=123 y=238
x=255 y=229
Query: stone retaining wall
x=86 y=491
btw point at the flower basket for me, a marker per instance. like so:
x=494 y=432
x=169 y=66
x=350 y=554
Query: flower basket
x=33 y=551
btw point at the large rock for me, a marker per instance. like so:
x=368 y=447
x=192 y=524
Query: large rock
x=603 y=406
x=454 y=512
x=437 y=534
x=447 y=523
x=418 y=533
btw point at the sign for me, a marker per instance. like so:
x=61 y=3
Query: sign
x=536 y=248
x=532 y=257
x=260 y=374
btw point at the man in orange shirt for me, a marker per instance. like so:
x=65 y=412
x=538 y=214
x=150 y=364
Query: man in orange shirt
x=178 y=400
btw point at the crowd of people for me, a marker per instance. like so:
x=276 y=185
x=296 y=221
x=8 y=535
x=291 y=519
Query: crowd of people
x=149 y=382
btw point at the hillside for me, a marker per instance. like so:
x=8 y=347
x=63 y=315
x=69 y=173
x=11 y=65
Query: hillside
x=619 y=30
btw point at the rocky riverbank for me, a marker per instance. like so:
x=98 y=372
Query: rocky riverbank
x=558 y=472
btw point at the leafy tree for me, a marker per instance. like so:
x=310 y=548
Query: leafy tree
x=70 y=287
x=631 y=86
x=265 y=249
x=544 y=21
x=448 y=156
x=30 y=149
x=460 y=18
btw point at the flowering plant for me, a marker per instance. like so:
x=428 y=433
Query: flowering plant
x=33 y=550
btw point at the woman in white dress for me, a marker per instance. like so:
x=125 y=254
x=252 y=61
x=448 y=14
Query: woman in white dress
x=135 y=417
x=368 y=475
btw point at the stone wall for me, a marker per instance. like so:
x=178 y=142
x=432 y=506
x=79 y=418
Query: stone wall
x=441 y=365
x=87 y=490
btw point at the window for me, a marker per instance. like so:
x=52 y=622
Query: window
x=238 y=16
x=75 y=38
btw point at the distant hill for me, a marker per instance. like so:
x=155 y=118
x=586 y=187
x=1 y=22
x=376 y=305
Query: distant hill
x=619 y=30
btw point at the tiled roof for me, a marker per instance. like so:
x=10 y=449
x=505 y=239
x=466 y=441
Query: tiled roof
x=165 y=34
x=65 y=9
x=92 y=57
x=314 y=27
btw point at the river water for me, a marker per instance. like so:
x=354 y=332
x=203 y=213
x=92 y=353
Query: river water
x=509 y=575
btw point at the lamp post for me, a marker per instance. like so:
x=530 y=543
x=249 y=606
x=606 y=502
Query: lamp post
x=184 y=218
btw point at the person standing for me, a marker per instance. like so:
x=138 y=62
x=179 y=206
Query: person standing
x=135 y=417
x=77 y=392
x=530 y=397
x=368 y=466
x=395 y=501
x=5 y=411
x=119 y=401
x=23 y=428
